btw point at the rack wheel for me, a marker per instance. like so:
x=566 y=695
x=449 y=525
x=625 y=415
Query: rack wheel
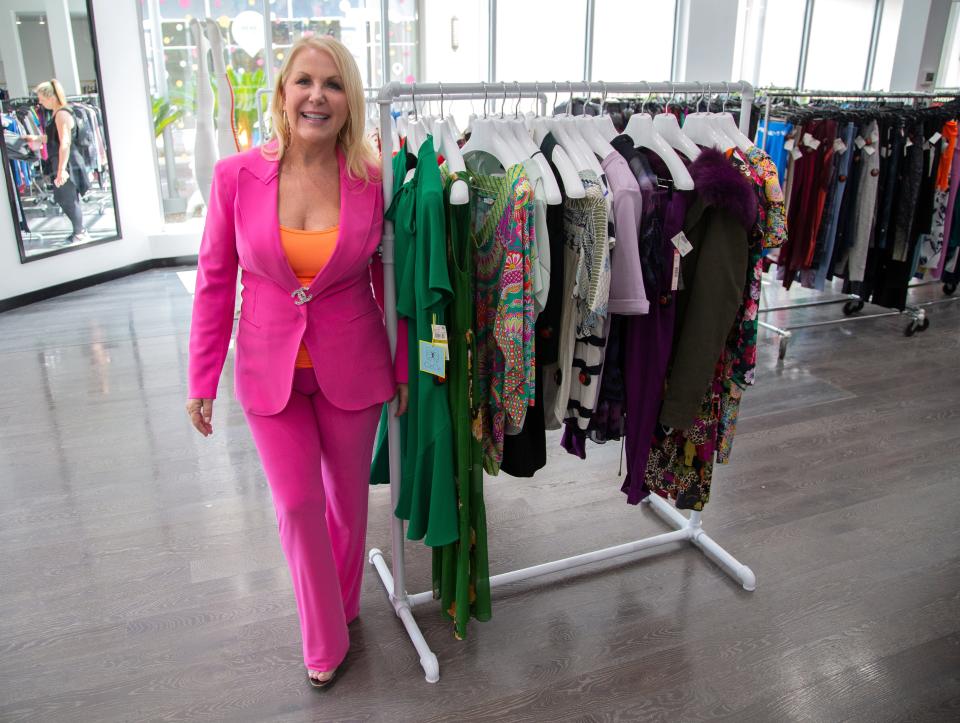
x=852 y=307
x=925 y=324
x=948 y=289
x=911 y=329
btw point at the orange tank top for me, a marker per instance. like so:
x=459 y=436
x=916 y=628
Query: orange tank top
x=308 y=252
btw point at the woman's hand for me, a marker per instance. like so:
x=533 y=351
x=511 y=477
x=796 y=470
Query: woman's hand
x=402 y=395
x=61 y=178
x=201 y=415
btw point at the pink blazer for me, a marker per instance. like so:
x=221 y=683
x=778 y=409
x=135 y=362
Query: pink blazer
x=339 y=316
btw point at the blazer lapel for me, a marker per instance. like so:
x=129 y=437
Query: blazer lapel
x=257 y=186
x=357 y=205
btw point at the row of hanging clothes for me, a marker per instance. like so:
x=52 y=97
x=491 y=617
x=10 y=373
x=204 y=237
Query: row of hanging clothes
x=595 y=274
x=870 y=189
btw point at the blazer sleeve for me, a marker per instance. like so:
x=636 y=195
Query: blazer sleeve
x=215 y=295
x=715 y=293
x=400 y=363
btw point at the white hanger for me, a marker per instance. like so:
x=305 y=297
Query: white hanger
x=666 y=125
x=572 y=185
x=640 y=129
x=699 y=129
x=485 y=139
x=444 y=142
x=728 y=126
x=603 y=122
x=588 y=129
x=531 y=151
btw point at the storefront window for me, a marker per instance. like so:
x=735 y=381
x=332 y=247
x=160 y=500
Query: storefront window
x=166 y=27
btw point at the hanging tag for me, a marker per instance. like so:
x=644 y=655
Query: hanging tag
x=796 y=153
x=869 y=150
x=432 y=359
x=788 y=144
x=839 y=146
x=934 y=138
x=859 y=141
x=810 y=142
x=440 y=339
x=675 y=282
x=682 y=243
x=908 y=144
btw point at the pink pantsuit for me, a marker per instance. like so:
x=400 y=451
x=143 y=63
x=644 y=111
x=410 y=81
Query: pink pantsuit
x=313 y=429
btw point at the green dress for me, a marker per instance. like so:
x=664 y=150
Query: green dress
x=428 y=497
x=461 y=578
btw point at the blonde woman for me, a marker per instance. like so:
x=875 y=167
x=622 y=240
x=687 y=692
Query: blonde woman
x=302 y=217
x=68 y=170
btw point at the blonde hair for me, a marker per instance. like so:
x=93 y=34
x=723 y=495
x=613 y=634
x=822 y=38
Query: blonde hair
x=52 y=89
x=361 y=161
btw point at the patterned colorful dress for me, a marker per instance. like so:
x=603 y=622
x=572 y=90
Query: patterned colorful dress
x=502 y=231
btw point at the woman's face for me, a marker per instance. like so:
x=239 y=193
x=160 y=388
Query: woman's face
x=45 y=100
x=314 y=99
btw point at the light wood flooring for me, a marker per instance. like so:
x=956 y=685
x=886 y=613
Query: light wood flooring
x=141 y=576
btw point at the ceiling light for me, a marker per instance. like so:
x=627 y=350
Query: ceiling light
x=43 y=20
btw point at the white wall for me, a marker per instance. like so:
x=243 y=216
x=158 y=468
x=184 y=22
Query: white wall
x=711 y=40
x=37 y=58
x=923 y=27
x=135 y=178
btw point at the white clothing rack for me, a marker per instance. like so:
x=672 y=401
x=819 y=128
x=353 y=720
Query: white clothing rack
x=685 y=528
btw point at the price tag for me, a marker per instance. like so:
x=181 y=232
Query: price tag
x=796 y=153
x=682 y=243
x=788 y=144
x=908 y=143
x=432 y=360
x=934 y=138
x=869 y=150
x=810 y=142
x=440 y=339
x=675 y=282
x=859 y=142
x=839 y=146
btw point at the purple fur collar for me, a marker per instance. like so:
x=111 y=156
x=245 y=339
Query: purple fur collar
x=717 y=183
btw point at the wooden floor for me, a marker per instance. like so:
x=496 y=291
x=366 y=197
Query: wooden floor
x=141 y=576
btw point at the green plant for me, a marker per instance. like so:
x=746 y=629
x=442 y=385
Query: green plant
x=245 y=87
x=164 y=113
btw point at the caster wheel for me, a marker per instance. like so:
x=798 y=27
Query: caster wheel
x=852 y=307
x=948 y=289
x=911 y=329
x=925 y=324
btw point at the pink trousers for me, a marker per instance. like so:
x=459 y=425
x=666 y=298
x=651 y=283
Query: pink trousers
x=317 y=461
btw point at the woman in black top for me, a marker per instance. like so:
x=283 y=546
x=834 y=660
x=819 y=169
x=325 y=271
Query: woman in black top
x=69 y=173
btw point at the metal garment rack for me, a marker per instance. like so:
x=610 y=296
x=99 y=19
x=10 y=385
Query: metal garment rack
x=852 y=303
x=688 y=529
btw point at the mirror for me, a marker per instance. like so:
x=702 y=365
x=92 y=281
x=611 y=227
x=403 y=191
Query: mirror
x=50 y=98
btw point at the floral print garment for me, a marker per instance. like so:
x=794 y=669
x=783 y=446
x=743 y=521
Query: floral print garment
x=503 y=230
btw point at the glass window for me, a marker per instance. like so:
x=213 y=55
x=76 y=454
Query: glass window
x=839 y=44
x=768 y=42
x=541 y=39
x=949 y=74
x=173 y=63
x=887 y=44
x=621 y=52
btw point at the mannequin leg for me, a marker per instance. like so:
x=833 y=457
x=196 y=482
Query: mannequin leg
x=226 y=141
x=205 y=145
